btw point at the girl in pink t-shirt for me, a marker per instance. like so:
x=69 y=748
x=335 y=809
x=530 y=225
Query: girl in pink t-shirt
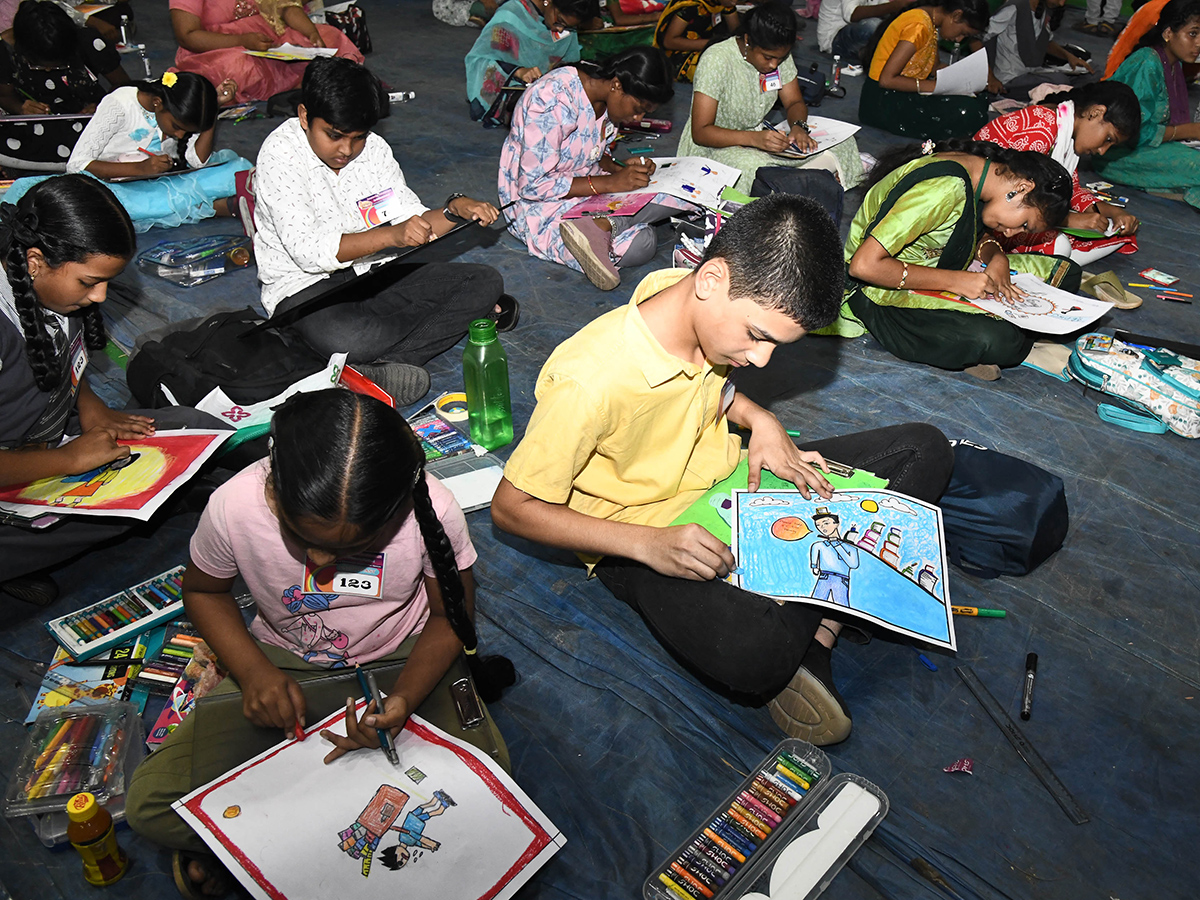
x=350 y=550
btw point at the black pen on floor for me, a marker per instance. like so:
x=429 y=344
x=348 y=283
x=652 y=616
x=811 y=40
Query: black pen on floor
x=1027 y=690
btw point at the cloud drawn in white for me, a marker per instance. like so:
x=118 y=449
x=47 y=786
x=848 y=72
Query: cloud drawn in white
x=897 y=505
x=840 y=498
x=767 y=500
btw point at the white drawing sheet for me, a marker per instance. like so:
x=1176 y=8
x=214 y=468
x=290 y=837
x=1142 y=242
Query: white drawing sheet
x=691 y=178
x=1045 y=308
x=447 y=822
x=967 y=76
x=826 y=132
x=874 y=554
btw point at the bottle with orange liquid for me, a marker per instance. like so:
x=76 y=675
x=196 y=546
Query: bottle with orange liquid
x=91 y=833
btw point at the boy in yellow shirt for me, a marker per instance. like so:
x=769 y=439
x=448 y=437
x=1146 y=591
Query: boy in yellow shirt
x=632 y=425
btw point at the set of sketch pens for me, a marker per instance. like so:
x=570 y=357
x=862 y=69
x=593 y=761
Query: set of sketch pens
x=116 y=619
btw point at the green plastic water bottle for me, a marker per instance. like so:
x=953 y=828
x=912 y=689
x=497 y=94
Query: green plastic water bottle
x=485 y=373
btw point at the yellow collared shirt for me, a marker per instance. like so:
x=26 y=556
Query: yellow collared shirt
x=624 y=430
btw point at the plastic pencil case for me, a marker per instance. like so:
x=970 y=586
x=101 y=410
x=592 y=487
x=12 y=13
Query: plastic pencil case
x=773 y=837
x=197 y=260
x=116 y=619
x=72 y=749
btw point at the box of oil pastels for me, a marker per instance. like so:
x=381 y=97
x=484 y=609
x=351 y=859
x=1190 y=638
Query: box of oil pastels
x=783 y=834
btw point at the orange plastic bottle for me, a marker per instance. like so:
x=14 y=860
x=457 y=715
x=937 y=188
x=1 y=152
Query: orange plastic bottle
x=91 y=833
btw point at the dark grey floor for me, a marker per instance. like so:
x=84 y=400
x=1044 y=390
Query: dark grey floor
x=625 y=751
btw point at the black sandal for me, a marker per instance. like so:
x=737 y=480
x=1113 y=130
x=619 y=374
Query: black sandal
x=509 y=315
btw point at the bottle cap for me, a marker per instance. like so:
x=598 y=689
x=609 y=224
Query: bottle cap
x=82 y=807
x=483 y=331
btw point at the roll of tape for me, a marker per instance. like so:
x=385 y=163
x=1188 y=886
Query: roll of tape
x=453 y=407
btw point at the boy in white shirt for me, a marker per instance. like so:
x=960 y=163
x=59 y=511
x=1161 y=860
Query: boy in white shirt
x=324 y=187
x=845 y=27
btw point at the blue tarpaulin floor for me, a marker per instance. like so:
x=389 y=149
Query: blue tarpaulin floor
x=625 y=750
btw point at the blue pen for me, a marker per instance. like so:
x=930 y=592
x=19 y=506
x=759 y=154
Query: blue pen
x=99 y=745
x=366 y=681
x=1010 y=271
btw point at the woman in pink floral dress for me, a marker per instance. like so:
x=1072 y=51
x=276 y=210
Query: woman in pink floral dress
x=213 y=36
x=556 y=154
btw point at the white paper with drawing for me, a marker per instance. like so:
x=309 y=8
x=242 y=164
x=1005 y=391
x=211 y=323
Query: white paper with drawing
x=967 y=76
x=826 y=132
x=447 y=822
x=691 y=178
x=874 y=554
x=1045 y=308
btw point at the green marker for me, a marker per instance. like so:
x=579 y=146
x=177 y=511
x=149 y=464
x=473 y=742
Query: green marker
x=978 y=611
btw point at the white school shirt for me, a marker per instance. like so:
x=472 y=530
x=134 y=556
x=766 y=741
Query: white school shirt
x=1003 y=27
x=120 y=127
x=303 y=207
x=833 y=17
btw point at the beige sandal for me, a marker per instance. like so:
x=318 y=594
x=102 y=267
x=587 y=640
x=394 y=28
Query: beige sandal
x=1108 y=287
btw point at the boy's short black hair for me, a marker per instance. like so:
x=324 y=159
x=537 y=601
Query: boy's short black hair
x=45 y=33
x=343 y=93
x=784 y=252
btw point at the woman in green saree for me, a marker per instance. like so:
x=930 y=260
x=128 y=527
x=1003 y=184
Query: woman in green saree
x=931 y=211
x=1155 y=72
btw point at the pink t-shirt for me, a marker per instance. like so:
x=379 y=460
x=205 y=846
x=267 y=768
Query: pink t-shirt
x=355 y=610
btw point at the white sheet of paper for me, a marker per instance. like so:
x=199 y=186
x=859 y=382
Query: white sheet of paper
x=967 y=76
x=289 y=826
x=1046 y=309
x=243 y=415
x=826 y=132
x=305 y=52
x=475 y=489
x=691 y=178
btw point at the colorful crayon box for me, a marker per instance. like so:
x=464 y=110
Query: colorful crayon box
x=784 y=832
x=121 y=617
x=73 y=749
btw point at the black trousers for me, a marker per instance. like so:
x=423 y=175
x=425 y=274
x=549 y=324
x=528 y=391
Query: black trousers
x=409 y=318
x=23 y=551
x=747 y=645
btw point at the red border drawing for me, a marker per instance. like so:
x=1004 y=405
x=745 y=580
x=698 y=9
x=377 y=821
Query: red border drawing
x=541 y=838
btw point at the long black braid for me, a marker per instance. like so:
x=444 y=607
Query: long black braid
x=68 y=218
x=365 y=479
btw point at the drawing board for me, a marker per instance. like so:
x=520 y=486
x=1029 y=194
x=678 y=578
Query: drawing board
x=135 y=486
x=691 y=178
x=1045 y=308
x=447 y=822
x=826 y=132
x=874 y=554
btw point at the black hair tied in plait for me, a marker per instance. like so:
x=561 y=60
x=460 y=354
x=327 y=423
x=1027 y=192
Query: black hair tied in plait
x=17 y=225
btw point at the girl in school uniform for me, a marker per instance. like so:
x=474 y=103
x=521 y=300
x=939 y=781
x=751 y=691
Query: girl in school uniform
x=345 y=541
x=897 y=94
x=737 y=83
x=60 y=246
x=557 y=153
x=1087 y=121
x=930 y=212
x=1159 y=161
x=149 y=129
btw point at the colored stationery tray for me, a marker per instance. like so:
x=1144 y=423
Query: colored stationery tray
x=121 y=617
x=72 y=749
x=784 y=833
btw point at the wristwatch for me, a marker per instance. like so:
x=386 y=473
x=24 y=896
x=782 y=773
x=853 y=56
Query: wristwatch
x=446 y=209
x=803 y=125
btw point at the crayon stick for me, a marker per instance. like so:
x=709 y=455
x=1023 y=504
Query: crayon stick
x=723 y=845
x=697 y=871
x=677 y=889
x=792 y=789
x=769 y=799
x=746 y=820
x=704 y=845
x=786 y=775
x=166 y=598
x=693 y=856
x=82 y=635
x=737 y=833
x=760 y=809
x=804 y=767
x=115 y=612
x=177 y=653
x=682 y=876
x=773 y=790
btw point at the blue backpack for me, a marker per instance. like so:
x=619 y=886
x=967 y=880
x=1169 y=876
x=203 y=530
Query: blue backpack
x=1002 y=515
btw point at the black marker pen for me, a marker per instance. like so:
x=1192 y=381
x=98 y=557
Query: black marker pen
x=1027 y=690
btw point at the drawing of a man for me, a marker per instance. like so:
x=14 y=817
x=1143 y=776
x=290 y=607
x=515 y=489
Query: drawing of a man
x=831 y=559
x=412 y=832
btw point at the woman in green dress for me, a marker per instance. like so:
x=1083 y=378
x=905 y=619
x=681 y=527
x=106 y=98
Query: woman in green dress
x=1155 y=72
x=736 y=85
x=931 y=211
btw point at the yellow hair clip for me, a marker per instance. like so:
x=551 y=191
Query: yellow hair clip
x=169 y=79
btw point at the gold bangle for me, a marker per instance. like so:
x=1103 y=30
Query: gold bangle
x=918 y=81
x=592 y=186
x=904 y=277
x=984 y=243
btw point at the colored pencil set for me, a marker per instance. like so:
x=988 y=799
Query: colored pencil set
x=121 y=617
x=161 y=673
x=736 y=835
x=72 y=749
